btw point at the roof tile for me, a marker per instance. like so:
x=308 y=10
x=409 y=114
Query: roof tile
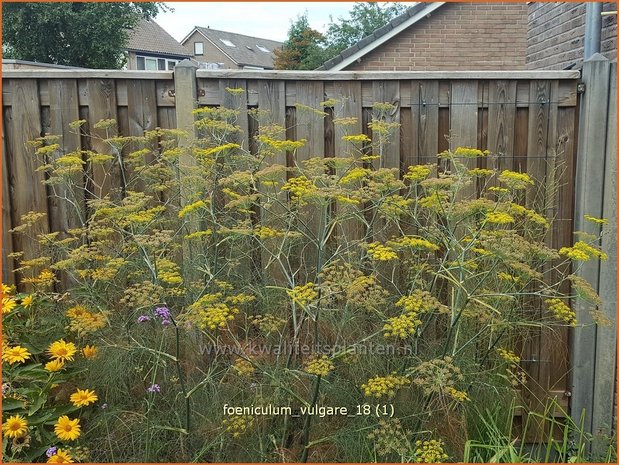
x=148 y=36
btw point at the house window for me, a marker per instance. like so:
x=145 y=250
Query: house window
x=154 y=64
x=198 y=48
x=262 y=48
x=147 y=63
x=227 y=42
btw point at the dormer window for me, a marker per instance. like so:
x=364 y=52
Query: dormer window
x=227 y=42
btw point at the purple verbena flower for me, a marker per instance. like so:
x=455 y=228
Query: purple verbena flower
x=143 y=318
x=51 y=451
x=154 y=388
x=164 y=314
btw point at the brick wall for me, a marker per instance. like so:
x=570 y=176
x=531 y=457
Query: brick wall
x=211 y=53
x=556 y=34
x=457 y=36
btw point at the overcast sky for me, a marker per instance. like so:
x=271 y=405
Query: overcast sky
x=268 y=20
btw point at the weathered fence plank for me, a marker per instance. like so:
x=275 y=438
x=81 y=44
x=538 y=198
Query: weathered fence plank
x=29 y=194
x=8 y=276
x=102 y=106
x=463 y=122
x=349 y=106
x=603 y=421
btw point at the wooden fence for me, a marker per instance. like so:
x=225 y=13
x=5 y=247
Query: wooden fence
x=528 y=118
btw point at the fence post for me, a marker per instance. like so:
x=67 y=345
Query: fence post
x=185 y=101
x=592 y=347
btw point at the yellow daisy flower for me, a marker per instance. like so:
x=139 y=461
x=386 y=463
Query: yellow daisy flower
x=27 y=301
x=67 y=429
x=7 y=290
x=83 y=397
x=17 y=354
x=15 y=427
x=54 y=365
x=8 y=304
x=89 y=352
x=60 y=457
x=62 y=350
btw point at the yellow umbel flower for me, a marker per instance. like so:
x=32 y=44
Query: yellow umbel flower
x=27 y=301
x=354 y=175
x=499 y=218
x=582 y=251
x=89 y=351
x=217 y=315
x=54 y=365
x=303 y=295
x=191 y=208
x=380 y=386
x=359 y=138
x=243 y=367
x=8 y=304
x=379 y=252
x=595 y=220
x=15 y=354
x=15 y=427
x=299 y=187
x=508 y=355
x=238 y=424
x=264 y=232
x=83 y=321
x=414 y=243
x=60 y=456
x=67 y=429
x=83 y=397
x=418 y=172
x=458 y=396
x=402 y=326
x=515 y=180
x=469 y=152
x=480 y=172
x=319 y=366
x=430 y=451
x=61 y=350
x=561 y=311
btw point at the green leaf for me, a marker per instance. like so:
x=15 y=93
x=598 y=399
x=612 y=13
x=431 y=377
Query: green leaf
x=12 y=404
x=37 y=404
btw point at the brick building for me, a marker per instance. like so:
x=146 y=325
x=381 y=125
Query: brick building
x=556 y=34
x=438 y=36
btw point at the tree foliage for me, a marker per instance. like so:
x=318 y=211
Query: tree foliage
x=307 y=48
x=304 y=48
x=90 y=35
x=364 y=19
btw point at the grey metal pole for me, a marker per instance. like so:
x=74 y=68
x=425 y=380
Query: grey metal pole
x=593 y=28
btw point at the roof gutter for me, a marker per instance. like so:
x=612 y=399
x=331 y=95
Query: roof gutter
x=384 y=38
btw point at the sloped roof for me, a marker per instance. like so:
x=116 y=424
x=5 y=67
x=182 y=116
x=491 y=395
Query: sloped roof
x=381 y=35
x=149 y=37
x=245 y=51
